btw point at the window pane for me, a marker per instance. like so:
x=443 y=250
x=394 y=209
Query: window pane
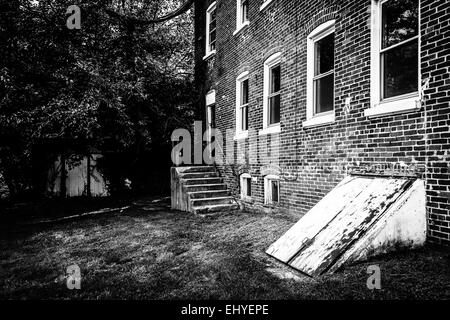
x=244 y=10
x=324 y=58
x=212 y=39
x=274 y=109
x=212 y=116
x=248 y=183
x=275 y=79
x=400 y=21
x=244 y=118
x=275 y=191
x=400 y=74
x=244 y=92
x=324 y=94
x=213 y=17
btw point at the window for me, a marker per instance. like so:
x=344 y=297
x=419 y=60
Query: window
x=211 y=30
x=246 y=186
x=242 y=96
x=320 y=75
x=271 y=190
x=272 y=94
x=395 y=57
x=211 y=116
x=241 y=15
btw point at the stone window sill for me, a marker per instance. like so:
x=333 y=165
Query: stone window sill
x=209 y=55
x=319 y=121
x=392 y=107
x=242 y=26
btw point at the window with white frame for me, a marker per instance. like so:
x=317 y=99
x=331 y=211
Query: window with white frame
x=241 y=14
x=320 y=74
x=272 y=92
x=211 y=29
x=246 y=186
x=242 y=96
x=271 y=190
x=395 y=80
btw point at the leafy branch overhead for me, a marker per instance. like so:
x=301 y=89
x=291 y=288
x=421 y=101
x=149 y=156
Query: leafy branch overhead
x=122 y=82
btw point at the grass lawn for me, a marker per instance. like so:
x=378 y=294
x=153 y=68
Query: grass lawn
x=155 y=253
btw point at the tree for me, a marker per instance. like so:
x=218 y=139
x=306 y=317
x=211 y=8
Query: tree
x=119 y=83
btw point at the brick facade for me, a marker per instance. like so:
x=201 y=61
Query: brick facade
x=315 y=159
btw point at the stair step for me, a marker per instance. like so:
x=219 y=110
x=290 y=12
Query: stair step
x=199 y=175
x=215 y=208
x=206 y=187
x=190 y=182
x=208 y=194
x=199 y=169
x=211 y=201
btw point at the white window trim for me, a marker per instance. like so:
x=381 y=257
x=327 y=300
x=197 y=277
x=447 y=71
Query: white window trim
x=240 y=134
x=240 y=27
x=210 y=100
x=268 y=189
x=239 y=23
x=265 y=4
x=211 y=97
x=209 y=52
x=244 y=186
x=320 y=32
x=404 y=103
x=272 y=61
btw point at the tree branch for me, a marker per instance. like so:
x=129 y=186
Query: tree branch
x=184 y=8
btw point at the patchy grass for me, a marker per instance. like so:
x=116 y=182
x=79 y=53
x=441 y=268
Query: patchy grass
x=160 y=254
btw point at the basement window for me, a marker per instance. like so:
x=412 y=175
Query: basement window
x=272 y=95
x=320 y=75
x=242 y=97
x=271 y=190
x=241 y=15
x=395 y=79
x=246 y=186
x=211 y=27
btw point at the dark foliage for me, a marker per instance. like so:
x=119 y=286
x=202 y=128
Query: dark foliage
x=122 y=86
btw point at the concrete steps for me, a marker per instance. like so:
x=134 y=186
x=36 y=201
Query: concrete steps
x=203 y=191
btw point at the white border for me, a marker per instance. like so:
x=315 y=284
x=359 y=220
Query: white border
x=268 y=189
x=268 y=64
x=209 y=52
x=318 y=33
x=239 y=133
x=404 y=103
x=239 y=24
x=243 y=195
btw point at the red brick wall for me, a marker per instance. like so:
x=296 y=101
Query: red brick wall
x=321 y=154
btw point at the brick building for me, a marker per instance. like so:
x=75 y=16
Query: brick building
x=316 y=90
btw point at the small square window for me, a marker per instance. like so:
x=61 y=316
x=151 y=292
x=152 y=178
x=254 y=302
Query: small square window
x=275 y=186
x=271 y=190
x=246 y=186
